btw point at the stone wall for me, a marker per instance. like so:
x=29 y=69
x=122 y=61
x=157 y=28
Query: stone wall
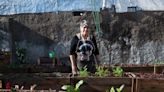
x=125 y=37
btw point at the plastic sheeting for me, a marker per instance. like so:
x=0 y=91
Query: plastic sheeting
x=8 y=7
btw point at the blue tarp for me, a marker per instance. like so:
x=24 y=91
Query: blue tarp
x=8 y=7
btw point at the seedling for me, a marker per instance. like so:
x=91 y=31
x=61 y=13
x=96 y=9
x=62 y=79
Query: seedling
x=21 y=54
x=71 y=88
x=52 y=56
x=117 y=71
x=112 y=89
x=83 y=72
x=101 y=71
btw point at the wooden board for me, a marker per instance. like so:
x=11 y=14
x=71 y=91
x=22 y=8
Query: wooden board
x=142 y=69
x=149 y=85
x=0 y=84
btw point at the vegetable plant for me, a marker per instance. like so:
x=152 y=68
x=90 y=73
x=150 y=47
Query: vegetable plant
x=71 y=88
x=117 y=71
x=83 y=72
x=21 y=54
x=112 y=89
x=101 y=71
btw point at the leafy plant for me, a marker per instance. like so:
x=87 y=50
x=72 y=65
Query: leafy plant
x=83 y=72
x=158 y=62
x=71 y=88
x=21 y=54
x=117 y=71
x=52 y=55
x=101 y=71
x=112 y=89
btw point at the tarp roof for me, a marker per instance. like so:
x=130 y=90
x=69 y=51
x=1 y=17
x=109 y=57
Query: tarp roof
x=8 y=7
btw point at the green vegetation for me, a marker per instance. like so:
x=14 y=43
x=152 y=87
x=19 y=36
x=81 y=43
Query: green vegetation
x=112 y=89
x=83 y=72
x=101 y=71
x=52 y=55
x=117 y=71
x=71 y=88
x=21 y=54
x=158 y=62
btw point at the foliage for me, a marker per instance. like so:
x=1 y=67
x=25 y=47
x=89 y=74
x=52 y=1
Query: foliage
x=101 y=71
x=71 y=88
x=158 y=62
x=117 y=71
x=21 y=54
x=112 y=89
x=83 y=72
x=52 y=54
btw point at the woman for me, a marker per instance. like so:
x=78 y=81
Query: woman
x=83 y=50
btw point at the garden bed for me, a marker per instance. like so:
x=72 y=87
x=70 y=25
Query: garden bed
x=138 y=68
x=101 y=84
x=141 y=81
x=43 y=81
x=149 y=85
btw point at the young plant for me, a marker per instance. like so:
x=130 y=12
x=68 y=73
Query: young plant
x=21 y=54
x=112 y=89
x=52 y=55
x=101 y=71
x=117 y=71
x=83 y=72
x=71 y=88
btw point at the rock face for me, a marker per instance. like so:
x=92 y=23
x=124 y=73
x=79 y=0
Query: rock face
x=134 y=37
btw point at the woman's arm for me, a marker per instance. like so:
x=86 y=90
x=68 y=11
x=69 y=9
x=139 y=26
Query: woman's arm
x=73 y=55
x=73 y=64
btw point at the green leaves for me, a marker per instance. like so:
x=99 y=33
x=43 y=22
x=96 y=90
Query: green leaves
x=112 y=89
x=101 y=71
x=21 y=54
x=83 y=72
x=71 y=88
x=79 y=84
x=68 y=88
x=52 y=54
x=120 y=88
x=117 y=71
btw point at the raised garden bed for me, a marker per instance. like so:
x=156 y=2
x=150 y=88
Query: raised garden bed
x=43 y=81
x=149 y=85
x=134 y=81
x=28 y=68
x=138 y=68
x=100 y=84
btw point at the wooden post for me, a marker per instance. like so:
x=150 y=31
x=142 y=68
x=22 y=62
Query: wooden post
x=137 y=86
x=154 y=68
x=0 y=84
